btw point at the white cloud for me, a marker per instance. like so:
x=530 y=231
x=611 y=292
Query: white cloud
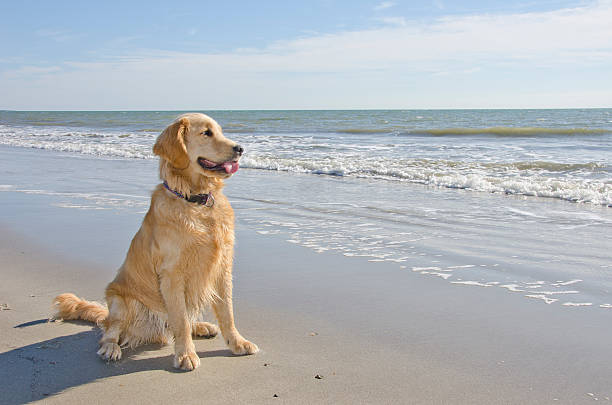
x=398 y=21
x=438 y=4
x=580 y=36
x=380 y=67
x=384 y=5
x=56 y=35
x=28 y=71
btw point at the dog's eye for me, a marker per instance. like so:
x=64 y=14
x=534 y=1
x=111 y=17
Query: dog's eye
x=208 y=132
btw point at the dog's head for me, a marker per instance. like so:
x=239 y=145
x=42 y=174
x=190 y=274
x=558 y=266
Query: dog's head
x=195 y=142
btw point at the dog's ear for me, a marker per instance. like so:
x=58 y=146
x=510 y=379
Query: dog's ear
x=170 y=145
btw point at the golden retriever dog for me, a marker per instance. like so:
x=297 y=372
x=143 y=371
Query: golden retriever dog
x=180 y=261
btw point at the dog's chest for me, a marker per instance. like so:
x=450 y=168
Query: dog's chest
x=211 y=229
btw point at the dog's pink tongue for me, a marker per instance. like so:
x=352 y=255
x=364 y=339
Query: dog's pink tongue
x=231 y=167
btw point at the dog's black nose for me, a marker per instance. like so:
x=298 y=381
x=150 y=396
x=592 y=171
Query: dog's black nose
x=239 y=149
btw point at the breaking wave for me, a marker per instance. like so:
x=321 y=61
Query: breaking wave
x=539 y=179
x=512 y=131
x=492 y=131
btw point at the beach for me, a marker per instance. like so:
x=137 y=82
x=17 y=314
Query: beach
x=370 y=335
x=388 y=288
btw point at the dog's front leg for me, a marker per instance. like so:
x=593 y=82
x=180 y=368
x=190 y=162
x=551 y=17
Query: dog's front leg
x=173 y=293
x=225 y=315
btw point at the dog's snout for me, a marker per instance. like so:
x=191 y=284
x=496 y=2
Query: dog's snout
x=238 y=149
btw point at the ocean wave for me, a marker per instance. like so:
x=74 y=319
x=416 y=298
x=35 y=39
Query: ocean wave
x=116 y=150
x=436 y=132
x=550 y=166
x=238 y=129
x=499 y=166
x=567 y=181
x=498 y=178
x=511 y=131
x=492 y=131
x=364 y=130
x=63 y=128
x=272 y=119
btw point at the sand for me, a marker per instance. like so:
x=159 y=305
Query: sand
x=370 y=333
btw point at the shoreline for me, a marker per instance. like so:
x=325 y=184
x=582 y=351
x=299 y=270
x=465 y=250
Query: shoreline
x=518 y=243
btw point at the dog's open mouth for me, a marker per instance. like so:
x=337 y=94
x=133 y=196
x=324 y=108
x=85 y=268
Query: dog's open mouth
x=227 y=167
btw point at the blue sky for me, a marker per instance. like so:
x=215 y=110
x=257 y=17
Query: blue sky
x=305 y=55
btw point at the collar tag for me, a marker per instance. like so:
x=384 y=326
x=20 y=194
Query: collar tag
x=206 y=200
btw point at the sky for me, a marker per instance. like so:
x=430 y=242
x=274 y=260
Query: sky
x=319 y=54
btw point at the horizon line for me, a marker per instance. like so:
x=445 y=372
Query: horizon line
x=310 y=109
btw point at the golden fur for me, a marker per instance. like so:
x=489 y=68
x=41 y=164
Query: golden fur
x=180 y=261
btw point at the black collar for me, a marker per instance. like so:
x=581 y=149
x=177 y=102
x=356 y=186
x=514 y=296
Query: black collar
x=206 y=200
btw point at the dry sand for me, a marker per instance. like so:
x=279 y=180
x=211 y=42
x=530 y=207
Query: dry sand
x=372 y=334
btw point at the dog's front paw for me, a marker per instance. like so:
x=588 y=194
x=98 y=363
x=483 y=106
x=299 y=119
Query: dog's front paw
x=110 y=351
x=242 y=346
x=187 y=361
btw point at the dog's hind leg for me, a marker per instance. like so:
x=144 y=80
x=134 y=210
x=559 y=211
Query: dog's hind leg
x=109 y=344
x=204 y=329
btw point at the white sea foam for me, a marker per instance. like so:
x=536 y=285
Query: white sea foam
x=97 y=200
x=544 y=298
x=441 y=275
x=493 y=179
x=577 y=304
x=574 y=181
x=559 y=283
x=331 y=235
x=557 y=292
x=512 y=287
x=474 y=283
x=426 y=268
x=80 y=206
x=437 y=274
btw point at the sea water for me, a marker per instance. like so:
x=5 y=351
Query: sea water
x=514 y=200
x=565 y=154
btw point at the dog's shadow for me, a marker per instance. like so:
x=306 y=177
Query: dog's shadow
x=43 y=369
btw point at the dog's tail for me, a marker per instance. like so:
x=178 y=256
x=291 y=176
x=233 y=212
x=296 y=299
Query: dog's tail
x=69 y=306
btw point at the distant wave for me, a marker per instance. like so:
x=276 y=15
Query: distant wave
x=238 y=128
x=272 y=119
x=364 y=131
x=496 y=131
x=59 y=129
x=512 y=131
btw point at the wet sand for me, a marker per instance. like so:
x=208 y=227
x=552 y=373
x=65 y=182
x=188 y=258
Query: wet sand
x=372 y=333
